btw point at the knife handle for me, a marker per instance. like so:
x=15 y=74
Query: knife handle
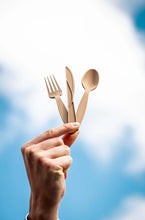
x=62 y=109
x=82 y=107
x=71 y=112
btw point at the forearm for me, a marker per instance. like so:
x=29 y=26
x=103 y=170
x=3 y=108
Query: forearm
x=39 y=211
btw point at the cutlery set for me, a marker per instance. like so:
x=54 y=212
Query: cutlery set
x=90 y=81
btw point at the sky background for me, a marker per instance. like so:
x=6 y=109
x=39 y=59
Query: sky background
x=37 y=38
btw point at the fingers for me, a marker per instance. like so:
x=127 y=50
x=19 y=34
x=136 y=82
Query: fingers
x=69 y=139
x=57 y=157
x=49 y=147
x=63 y=162
x=50 y=143
x=53 y=153
x=54 y=132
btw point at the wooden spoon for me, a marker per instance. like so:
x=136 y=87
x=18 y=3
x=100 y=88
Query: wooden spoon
x=90 y=81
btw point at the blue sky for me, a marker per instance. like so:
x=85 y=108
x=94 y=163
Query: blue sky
x=139 y=19
x=106 y=179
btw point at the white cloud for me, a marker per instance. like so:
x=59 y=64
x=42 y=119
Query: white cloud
x=132 y=208
x=41 y=38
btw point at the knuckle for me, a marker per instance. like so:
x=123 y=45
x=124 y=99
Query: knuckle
x=59 y=141
x=48 y=163
x=66 y=149
x=30 y=151
x=66 y=126
x=40 y=159
x=70 y=160
x=50 y=132
x=23 y=148
x=43 y=161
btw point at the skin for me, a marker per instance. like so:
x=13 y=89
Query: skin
x=47 y=160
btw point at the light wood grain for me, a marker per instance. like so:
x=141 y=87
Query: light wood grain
x=54 y=91
x=62 y=109
x=90 y=81
x=70 y=93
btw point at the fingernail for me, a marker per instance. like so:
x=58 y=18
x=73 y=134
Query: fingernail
x=75 y=124
x=75 y=132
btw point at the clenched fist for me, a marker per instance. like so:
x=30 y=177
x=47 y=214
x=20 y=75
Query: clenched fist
x=47 y=159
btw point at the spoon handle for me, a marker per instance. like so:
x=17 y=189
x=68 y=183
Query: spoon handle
x=82 y=107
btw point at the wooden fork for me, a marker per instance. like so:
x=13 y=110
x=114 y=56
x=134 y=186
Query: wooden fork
x=54 y=91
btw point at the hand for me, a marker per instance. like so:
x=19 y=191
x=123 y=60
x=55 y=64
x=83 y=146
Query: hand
x=47 y=160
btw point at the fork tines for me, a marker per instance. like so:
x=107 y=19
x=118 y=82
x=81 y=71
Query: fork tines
x=52 y=86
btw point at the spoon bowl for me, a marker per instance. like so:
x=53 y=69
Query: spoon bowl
x=90 y=80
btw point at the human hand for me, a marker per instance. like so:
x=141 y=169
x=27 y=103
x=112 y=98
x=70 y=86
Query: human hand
x=47 y=159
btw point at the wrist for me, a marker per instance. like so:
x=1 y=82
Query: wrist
x=40 y=210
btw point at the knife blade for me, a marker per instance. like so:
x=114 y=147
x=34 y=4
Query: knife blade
x=70 y=94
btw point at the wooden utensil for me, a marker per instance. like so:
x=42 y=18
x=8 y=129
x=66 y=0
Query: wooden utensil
x=90 y=81
x=55 y=92
x=70 y=94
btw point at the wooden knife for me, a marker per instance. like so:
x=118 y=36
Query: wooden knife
x=70 y=94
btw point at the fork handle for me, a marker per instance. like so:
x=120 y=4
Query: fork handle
x=82 y=107
x=62 y=109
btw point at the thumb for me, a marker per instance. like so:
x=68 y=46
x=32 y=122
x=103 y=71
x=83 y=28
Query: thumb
x=69 y=139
